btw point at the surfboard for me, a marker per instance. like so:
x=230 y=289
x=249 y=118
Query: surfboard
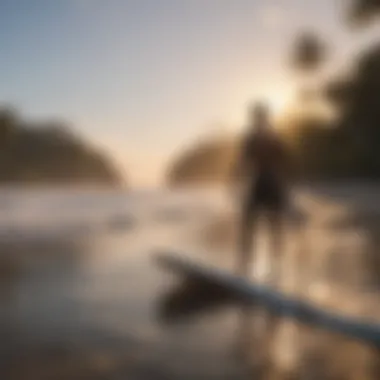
x=278 y=303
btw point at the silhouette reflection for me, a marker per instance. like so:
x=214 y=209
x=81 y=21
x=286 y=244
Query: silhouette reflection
x=265 y=345
x=192 y=298
x=256 y=328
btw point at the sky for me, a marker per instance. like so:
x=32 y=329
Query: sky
x=144 y=78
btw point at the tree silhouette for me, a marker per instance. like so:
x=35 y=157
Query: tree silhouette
x=358 y=101
x=206 y=162
x=308 y=53
x=347 y=147
x=362 y=12
x=48 y=151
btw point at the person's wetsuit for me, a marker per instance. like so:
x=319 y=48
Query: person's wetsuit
x=263 y=165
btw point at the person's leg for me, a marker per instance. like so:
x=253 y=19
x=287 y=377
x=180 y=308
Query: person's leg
x=276 y=243
x=276 y=202
x=276 y=226
x=245 y=241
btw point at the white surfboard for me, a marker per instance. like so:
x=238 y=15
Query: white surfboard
x=366 y=331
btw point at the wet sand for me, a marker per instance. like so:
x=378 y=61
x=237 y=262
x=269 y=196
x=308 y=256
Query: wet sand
x=84 y=300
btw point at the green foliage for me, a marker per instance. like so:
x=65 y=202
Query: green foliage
x=350 y=147
x=47 y=152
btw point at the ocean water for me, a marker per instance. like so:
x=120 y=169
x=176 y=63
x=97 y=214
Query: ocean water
x=81 y=296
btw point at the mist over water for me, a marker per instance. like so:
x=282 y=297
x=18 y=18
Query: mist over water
x=81 y=294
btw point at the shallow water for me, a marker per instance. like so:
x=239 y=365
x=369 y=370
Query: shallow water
x=81 y=296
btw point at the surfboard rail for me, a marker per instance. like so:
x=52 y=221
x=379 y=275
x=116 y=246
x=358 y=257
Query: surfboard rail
x=279 y=303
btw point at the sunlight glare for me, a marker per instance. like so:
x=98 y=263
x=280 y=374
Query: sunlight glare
x=279 y=102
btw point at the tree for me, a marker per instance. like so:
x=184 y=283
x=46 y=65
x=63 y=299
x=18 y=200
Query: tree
x=308 y=53
x=363 y=12
x=206 y=162
x=49 y=151
x=358 y=102
x=8 y=125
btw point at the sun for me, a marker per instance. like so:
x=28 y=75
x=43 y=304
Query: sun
x=279 y=102
x=278 y=99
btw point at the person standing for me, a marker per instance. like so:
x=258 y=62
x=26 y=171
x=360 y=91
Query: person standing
x=263 y=171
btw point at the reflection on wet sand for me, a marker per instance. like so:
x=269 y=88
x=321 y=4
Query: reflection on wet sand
x=336 y=258
x=46 y=332
x=268 y=346
x=189 y=298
